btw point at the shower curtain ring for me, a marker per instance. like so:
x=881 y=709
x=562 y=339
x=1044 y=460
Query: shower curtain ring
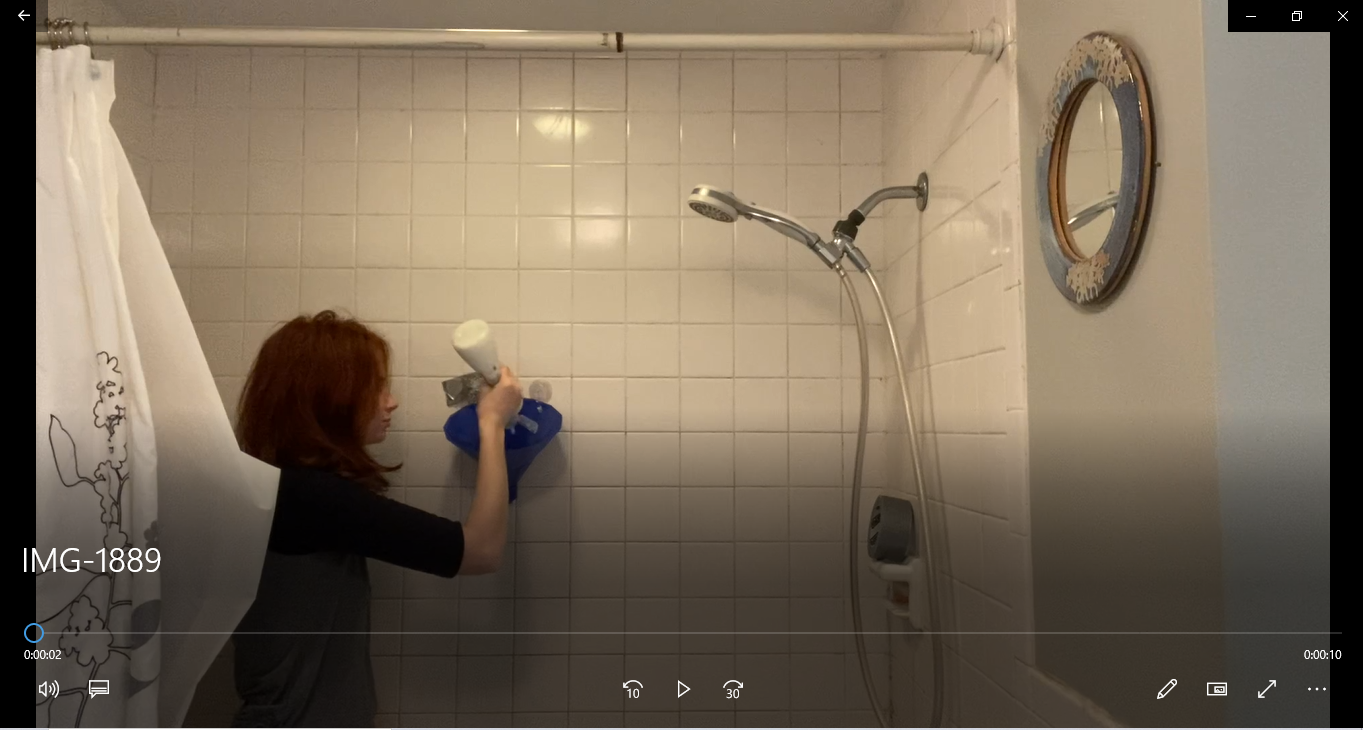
x=86 y=28
x=60 y=33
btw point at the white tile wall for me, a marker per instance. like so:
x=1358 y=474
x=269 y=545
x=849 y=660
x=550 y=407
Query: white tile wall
x=954 y=278
x=703 y=369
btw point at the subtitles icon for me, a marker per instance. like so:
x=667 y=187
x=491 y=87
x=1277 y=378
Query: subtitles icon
x=99 y=687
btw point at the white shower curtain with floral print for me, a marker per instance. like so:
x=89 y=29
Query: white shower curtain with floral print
x=151 y=524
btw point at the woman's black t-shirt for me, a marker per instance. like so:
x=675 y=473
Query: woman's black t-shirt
x=318 y=511
x=302 y=650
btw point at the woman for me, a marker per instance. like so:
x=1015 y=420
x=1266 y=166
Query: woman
x=318 y=395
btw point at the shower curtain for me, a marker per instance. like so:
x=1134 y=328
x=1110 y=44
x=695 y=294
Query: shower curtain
x=151 y=524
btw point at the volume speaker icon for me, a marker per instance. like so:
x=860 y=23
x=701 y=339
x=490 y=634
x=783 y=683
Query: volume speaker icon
x=49 y=689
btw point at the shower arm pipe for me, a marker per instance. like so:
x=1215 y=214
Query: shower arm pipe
x=899 y=192
x=986 y=41
x=1091 y=211
x=845 y=232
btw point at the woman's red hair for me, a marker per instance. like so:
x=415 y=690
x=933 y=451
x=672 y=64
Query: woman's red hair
x=315 y=386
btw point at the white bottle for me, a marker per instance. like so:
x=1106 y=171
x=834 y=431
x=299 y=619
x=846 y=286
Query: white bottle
x=473 y=341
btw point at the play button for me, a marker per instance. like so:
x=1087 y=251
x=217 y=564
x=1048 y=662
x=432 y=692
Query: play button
x=682 y=689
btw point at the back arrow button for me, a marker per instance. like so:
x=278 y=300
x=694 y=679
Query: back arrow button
x=682 y=689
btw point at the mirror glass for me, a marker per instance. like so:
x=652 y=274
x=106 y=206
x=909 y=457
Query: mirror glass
x=1093 y=169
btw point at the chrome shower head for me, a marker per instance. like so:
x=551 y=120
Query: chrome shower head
x=712 y=211
x=722 y=206
x=714 y=204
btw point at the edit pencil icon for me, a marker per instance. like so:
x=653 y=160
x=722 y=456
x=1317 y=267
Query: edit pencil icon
x=1167 y=689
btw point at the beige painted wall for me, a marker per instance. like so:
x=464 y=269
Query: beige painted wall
x=1125 y=524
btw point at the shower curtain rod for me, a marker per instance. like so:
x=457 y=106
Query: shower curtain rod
x=986 y=41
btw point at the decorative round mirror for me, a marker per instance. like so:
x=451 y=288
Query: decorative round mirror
x=1094 y=168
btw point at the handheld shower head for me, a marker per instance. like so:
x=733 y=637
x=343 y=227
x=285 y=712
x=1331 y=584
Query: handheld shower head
x=722 y=206
x=714 y=204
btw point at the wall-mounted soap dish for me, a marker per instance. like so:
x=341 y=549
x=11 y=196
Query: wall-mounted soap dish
x=906 y=596
x=891 y=544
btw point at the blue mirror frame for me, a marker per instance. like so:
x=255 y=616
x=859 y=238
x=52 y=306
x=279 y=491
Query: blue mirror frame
x=1098 y=58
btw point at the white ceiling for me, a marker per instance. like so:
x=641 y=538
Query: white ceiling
x=639 y=16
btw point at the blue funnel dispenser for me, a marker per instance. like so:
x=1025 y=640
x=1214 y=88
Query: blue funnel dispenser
x=522 y=444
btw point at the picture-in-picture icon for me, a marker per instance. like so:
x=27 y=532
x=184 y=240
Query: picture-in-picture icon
x=1217 y=689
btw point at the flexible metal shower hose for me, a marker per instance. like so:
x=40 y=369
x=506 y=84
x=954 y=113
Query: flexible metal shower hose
x=854 y=541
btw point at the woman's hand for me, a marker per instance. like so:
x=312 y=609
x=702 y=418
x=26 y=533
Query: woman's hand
x=499 y=404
